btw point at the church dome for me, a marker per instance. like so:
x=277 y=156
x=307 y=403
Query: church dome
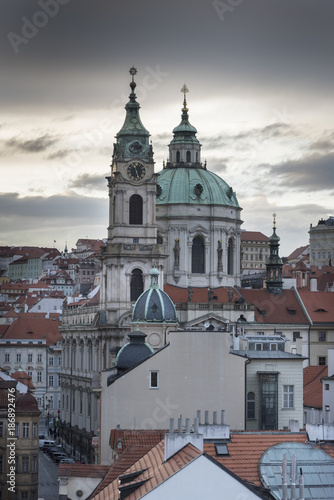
x=154 y=305
x=134 y=351
x=194 y=186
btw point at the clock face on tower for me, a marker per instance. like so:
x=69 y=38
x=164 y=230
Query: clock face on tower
x=136 y=171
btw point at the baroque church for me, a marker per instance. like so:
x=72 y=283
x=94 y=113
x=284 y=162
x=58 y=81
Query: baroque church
x=183 y=221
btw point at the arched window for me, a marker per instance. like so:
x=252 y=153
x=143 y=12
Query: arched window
x=230 y=263
x=136 y=284
x=159 y=240
x=136 y=209
x=251 y=405
x=188 y=156
x=177 y=156
x=197 y=256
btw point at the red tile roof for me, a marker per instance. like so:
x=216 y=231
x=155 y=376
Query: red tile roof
x=312 y=391
x=28 y=328
x=253 y=236
x=130 y=456
x=134 y=438
x=269 y=308
x=296 y=253
x=180 y=295
x=319 y=305
x=155 y=471
x=82 y=470
x=246 y=448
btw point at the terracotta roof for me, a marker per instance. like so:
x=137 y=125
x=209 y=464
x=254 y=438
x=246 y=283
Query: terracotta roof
x=319 y=305
x=26 y=403
x=312 y=391
x=325 y=281
x=296 y=253
x=246 y=448
x=269 y=308
x=130 y=438
x=253 y=236
x=155 y=471
x=130 y=456
x=24 y=378
x=26 y=328
x=180 y=295
x=82 y=470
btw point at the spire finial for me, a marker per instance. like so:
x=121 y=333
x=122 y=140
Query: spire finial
x=184 y=90
x=274 y=215
x=133 y=72
x=133 y=84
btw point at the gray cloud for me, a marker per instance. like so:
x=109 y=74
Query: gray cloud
x=89 y=181
x=37 y=145
x=38 y=220
x=314 y=172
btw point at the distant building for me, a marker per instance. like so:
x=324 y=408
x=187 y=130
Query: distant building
x=30 y=343
x=254 y=251
x=24 y=445
x=322 y=243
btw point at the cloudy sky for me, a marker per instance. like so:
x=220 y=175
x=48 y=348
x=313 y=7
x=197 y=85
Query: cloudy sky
x=260 y=75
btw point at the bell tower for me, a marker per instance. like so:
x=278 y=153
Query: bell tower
x=132 y=248
x=274 y=264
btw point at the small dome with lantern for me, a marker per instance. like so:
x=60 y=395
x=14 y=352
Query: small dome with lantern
x=154 y=305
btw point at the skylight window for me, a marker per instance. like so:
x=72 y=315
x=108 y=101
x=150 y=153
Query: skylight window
x=221 y=449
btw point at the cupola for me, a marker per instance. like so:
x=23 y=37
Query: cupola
x=154 y=305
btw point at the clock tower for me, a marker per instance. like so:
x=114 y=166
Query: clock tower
x=132 y=248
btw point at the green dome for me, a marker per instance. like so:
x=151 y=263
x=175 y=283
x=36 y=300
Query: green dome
x=193 y=185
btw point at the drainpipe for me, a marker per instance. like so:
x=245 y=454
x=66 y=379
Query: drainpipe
x=284 y=478
x=248 y=361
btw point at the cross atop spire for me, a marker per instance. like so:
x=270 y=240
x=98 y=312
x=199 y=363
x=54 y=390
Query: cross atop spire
x=274 y=215
x=185 y=90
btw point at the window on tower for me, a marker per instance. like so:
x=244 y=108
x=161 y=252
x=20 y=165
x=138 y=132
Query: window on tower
x=197 y=256
x=230 y=254
x=136 y=284
x=178 y=157
x=188 y=157
x=136 y=209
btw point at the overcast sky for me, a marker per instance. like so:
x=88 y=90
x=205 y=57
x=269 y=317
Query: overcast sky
x=260 y=75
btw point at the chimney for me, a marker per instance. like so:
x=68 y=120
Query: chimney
x=175 y=441
x=313 y=285
x=215 y=430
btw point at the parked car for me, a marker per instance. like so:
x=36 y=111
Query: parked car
x=56 y=457
x=44 y=443
x=67 y=461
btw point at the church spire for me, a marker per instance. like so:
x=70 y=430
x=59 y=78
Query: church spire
x=274 y=264
x=133 y=138
x=184 y=148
